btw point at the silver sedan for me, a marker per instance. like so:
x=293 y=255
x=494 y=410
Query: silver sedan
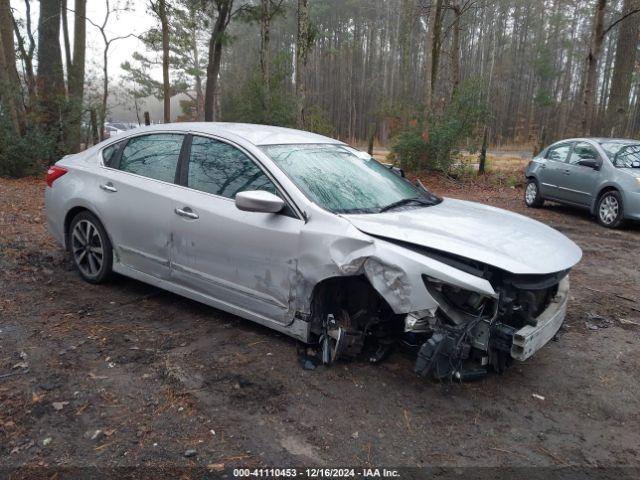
x=315 y=239
x=600 y=174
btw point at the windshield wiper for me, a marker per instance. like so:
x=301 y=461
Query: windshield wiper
x=405 y=201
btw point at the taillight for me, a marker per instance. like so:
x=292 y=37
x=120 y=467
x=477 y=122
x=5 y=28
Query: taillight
x=54 y=173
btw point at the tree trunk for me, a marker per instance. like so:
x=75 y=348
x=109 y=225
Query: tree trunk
x=592 y=68
x=483 y=152
x=50 y=81
x=437 y=43
x=303 y=43
x=197 y=75
x=76 y=77
x=430 y=42
x=10 y=88
x=65 y=35
x=105 y=88
x=455 y=50
x=624 y=64
x=265 y=20
x=93 y=120
x=223 y=8
x=6 y=97
x=166 y=86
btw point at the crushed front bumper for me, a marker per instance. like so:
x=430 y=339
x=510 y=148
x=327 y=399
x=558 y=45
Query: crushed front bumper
x=528 y=340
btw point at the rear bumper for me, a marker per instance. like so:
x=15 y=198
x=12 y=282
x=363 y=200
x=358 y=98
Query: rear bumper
x=528 y=340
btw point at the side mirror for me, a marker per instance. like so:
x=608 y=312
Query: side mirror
x=590 y=162
x=259 y=201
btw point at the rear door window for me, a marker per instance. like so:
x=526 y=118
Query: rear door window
x=559 y=153
x=222 y=169
x=152 y=156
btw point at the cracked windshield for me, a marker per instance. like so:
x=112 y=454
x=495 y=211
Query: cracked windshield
x=338 y=179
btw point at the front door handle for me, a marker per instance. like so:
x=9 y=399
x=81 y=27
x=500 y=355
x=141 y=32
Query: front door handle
x=187 y=212
x=108 y=187
x=567 y=172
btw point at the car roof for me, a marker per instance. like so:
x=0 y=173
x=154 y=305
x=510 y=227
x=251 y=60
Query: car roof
x=599 y=140
x=253 y=133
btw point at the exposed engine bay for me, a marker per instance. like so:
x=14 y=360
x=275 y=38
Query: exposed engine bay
x=466 y=336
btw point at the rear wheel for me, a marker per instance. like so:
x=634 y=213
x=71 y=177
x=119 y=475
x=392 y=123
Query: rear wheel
x=609 y=209
x=90 y=247
x=532 y=197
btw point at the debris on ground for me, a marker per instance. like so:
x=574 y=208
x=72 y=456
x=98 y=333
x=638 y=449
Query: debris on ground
x=597 y=322
x=59 y=405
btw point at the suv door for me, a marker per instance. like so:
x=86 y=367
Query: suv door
x=134 y=199
x=553 y=170
x=242 y=261
x=580 y=182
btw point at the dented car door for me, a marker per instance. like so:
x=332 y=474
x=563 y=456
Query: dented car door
x=244 y=261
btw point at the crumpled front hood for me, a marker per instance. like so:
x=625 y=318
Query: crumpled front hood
x=487 y=234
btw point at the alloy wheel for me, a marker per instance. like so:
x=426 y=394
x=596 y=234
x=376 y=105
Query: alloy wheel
x=531 y=193
x=87 y=247
x=609 y=208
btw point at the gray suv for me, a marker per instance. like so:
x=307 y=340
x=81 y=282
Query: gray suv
x=601 y=174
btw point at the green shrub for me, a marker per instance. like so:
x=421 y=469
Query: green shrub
x=447 y=132
x=26 y=155
x=317 y=122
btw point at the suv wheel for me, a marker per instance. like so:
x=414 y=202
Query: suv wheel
x=609 y=209
x=90 y=247
x=532 y=197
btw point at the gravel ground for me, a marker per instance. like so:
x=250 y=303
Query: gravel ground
x=125 y=374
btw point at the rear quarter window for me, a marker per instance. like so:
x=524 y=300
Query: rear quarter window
x=109 y=154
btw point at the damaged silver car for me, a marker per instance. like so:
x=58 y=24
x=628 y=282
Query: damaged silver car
x=315 y=239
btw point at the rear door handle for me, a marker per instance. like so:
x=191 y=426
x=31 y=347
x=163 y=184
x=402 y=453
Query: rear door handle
x=187 y=212
x=109 y=187
x=567 y=172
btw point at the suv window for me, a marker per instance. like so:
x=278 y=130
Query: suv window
x=583 y=151
x=219 y=168
x=109 y=154
x=154 y=156
x=559 y=153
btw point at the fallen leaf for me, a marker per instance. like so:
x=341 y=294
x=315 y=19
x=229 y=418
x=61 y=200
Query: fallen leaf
x=215 y=467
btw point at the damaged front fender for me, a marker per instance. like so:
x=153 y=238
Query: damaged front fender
x=396 y=273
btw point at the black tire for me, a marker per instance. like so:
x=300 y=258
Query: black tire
x=532 y=196
x=90 y=248
x=609 y=209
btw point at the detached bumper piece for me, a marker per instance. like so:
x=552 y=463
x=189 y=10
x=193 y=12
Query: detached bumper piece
x=531 y=338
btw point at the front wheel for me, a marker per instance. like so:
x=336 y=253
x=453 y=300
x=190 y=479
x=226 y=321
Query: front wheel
x=609 y=209
x=532 y=196
x=90 y=246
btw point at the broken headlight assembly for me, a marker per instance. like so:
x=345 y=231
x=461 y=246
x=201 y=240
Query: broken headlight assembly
x=458 y=304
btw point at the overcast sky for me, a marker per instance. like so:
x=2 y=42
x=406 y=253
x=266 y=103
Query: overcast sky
x=136 y=20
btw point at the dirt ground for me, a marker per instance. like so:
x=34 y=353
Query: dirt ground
x=125 y=374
